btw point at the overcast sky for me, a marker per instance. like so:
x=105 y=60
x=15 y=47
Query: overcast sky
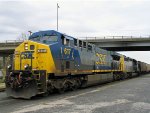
x=78 y=18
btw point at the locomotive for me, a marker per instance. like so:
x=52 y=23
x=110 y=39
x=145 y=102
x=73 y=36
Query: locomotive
x=52 y=61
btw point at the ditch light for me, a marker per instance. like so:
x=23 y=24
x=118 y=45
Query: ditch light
x=26 y=46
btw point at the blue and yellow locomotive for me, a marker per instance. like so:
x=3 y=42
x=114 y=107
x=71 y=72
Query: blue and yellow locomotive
x=51 y=61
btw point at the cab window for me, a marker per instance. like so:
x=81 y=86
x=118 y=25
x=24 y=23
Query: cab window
x=36 y=39
x=75 y=42
x=49 y=39
x=84 y=44
x=46 y=39
x=89 y=47
x=65 y=41
x=80 y=43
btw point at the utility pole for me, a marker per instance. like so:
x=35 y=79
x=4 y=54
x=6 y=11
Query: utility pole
x=57 y=15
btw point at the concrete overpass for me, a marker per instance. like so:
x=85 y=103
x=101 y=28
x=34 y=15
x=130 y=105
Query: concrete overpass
x=7 y=48
x=121 y=43
x=114 y=43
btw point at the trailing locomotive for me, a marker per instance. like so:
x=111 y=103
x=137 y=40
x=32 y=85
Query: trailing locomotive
x=51 y=61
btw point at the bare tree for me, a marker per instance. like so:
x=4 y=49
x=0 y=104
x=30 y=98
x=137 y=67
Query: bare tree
x=23 y=36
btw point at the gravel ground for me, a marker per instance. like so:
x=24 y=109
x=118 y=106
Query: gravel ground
x=129 y=96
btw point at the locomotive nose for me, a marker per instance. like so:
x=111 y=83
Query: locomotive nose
x=32 y=55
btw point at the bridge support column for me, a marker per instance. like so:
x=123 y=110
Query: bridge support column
x=4 y=61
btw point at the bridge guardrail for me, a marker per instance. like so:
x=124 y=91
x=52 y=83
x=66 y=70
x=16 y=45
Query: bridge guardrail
x=10 y=43
x=86 y=38
x=114 y=37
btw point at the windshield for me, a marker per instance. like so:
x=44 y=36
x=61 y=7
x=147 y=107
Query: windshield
x=46 y=39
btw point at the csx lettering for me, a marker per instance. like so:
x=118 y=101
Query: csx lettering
x=99 y=63
x=102 y=59
x=67 y=51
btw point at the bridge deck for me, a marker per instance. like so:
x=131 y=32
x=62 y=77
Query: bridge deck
x=121 y=44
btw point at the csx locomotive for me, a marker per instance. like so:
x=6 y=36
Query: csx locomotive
x=51 y=61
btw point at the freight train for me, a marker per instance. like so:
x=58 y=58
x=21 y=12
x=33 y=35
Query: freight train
x=52 y=61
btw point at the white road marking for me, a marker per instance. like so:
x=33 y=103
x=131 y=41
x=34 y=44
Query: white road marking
x=75 y=108
x=141 y=105
x=89 y=92
x=45 y=105
x=129 y=95
x=89 y=108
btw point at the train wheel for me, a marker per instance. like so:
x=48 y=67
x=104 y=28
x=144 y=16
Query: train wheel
x=122 y=76
x=74 y=87
x=50 y=89
x=61 y=90
x=45 y=94
x=115 y=77
x=78 y=83
x=119 y=77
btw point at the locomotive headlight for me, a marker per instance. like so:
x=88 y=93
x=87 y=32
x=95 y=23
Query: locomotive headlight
x=26 y=46
x=26 y=66
x=9 y=67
